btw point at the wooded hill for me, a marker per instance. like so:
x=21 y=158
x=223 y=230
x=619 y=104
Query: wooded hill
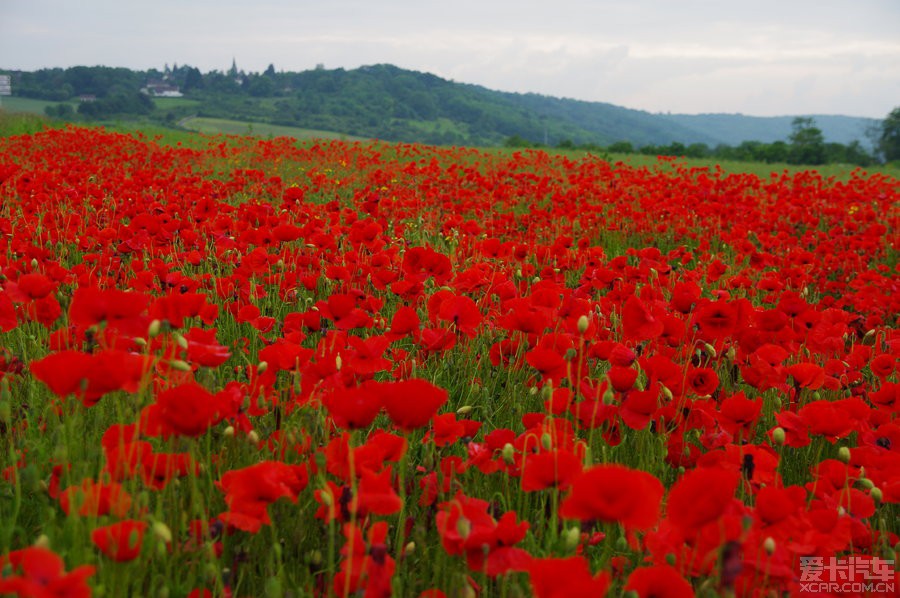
x=390 y=103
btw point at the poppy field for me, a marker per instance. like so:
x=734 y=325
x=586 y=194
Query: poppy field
x=249 y=367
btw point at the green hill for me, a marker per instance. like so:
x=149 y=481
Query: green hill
x=386 y=102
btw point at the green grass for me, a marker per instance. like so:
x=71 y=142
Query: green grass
x=16 y=104
x=219 y=126
x=23 y=123
x=169 y=103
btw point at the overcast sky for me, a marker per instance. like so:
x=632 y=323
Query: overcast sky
x=757 y=57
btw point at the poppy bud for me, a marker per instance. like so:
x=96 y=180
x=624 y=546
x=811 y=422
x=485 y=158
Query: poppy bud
x=463 y=527
x=779 y=436
x=262 y=367
x=547 y=392
x=409 y=549
x=609 y=396
x=465 y=409
x=228 y=432
x=621 y=544
x=154 y=328
x=670 y=559
x=162 y=531
x=326 y=498
x=253 y=437
x=180 y=340
x=572 y=538
x=866 y=483
x=710 y=349
x=844 y=454
x=42 y=541
x=508 y=453
x=180 y=365
x=546 y=441
x=536 y=280
x=583 y=324
x=769 y=545
x=34 y=263
x=533 y=390
x=876 y=495
x=139 y=341
x=731 y=353
x=338 y=363
x=570 y=354
x=468 y=592
x=668 y=393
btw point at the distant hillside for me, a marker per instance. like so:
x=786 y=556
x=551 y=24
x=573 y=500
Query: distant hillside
x=732 y=129
x=386 y=102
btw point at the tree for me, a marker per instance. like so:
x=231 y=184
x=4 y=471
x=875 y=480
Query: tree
x=807 y=142
x=889 y=142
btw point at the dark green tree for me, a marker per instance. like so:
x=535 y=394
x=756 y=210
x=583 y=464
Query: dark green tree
x=889 y=142
x=807 y=142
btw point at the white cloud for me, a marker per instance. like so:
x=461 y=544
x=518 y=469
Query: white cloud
x=766 y=57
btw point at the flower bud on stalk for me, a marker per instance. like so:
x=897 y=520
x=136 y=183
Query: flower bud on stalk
x=572 y=538
x=779 y=436
x=844 y=454
x=877 y=495
x=509 y=453
x=583 y=324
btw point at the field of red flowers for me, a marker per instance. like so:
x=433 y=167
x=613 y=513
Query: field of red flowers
x=252 y=368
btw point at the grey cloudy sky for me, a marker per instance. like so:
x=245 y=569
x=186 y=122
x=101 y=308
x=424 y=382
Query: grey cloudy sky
x=758 y=57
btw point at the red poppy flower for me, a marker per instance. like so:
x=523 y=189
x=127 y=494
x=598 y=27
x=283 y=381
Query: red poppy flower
x=411 y=403
x=659 y=581
x=91 y=305
x=701 y=496
x=188 y=410
x=249 y=492
x=376 y=494
x=549 y=469
x=614 y=493
x=702 y=381
x=41 y=572
x=622 y=378
x=8 y=319
x=638 y=323
x=807 y=375
x=93 y=499
x=354 y=407
x=566 y=577
x=120 y=541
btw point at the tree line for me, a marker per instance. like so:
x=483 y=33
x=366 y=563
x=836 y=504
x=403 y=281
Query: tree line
x=394 y=104
x=805 y=146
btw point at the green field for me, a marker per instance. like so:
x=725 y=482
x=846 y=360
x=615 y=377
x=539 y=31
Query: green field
x=17 y=104
x=221 y=126
x=169 y=103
